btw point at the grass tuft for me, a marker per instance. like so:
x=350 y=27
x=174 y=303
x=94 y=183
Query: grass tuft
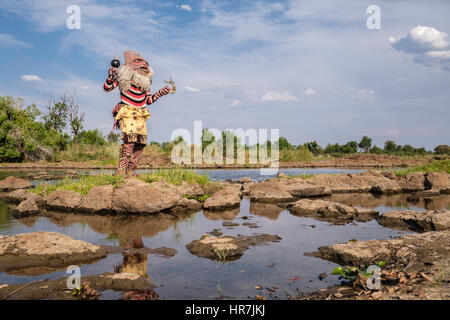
x=435 y=166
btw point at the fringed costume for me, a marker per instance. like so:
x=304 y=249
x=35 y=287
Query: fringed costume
x=134 y=79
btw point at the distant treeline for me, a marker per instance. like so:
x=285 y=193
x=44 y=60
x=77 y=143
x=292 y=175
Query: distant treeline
x=27 y=134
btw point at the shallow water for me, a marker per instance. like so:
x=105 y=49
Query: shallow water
x=185 y=276
x=213 y=174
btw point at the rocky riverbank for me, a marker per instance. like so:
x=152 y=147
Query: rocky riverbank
x=417 y=267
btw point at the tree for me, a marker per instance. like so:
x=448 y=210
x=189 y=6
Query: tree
x=390 y=146
x=76 y=120
x=92 y=137
x=442 y=149
x=56 y=115
x=365 y=144
x=113 y=137
x=376 y=150
x=313 y=147
x=283 y=144
x=350 y=147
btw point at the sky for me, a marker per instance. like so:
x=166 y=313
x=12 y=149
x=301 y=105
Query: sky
x=312 y=69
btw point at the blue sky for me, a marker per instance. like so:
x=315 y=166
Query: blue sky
x=310 y=68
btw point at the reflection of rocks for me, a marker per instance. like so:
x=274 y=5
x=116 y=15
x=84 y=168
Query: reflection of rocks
x=122 y=226
x=227 y=248
x=44 y=250
x=57 y=289
x=226 y=198
x=369 y=252
x=331 y=211
x=229 y=214
x=26 y=208
x=417 y=220
x=397 y=200
x=267 y=210
x=12 y=183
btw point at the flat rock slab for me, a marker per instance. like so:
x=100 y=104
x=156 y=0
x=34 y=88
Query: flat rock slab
x=226 y=198
x=57 y=289
x=331 y=211
x=63 y=200
x=138 y=197
x=44 y=250
x=12 y=183
x=430 y=220
x=369 y=252
x=288 y=189
x=227 y=248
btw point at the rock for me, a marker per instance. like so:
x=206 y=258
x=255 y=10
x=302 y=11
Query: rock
x=417 y=220
x=369 y=252
x=26 y=208
x=246 y=190
x=308 y=191
x=227 y=248
x=98 y=200
x=245 y=180
x=188 y=205
x=330 y=210
x=386 y=187
x=19 y=195
x=227 y=198
x=437 y=181
x=62 y=200
x=323 y=275
x=390 y=175
x=44 y=250
x=281 y=175
x=57 y=289
x=270 y=191
x=138 y=197
x=12 y=183
x=413 y=181
x=229 y=224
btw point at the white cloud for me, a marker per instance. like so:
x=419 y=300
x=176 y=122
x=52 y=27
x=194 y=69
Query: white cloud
x=309 y=92
x=190 y=89
x=235 y=103
x=31 y=78
x=278 y=96
x=363 y=94
x=429 y=46
x=186 y=7
x=10 y=41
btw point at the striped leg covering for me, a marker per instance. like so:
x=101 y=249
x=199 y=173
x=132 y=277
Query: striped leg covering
x=134 y=160
x=125 y=153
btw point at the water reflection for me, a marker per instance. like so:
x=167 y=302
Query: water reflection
x=394 y=201
x=120 y=227
x=270 y=211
